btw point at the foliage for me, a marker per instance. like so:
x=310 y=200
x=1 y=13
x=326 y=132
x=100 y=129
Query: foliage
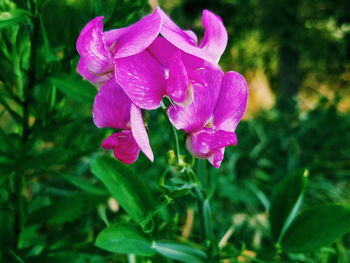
x=62 y=199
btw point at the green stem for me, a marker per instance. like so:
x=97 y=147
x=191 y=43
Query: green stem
x=176 y=138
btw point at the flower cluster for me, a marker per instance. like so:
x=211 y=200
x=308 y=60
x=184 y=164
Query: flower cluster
x=136 y=66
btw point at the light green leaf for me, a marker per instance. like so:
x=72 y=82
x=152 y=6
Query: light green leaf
x=74 y=87
x=125 y=238
x=316 y=227
x=285 y=202
x=131 y=192
x=180 y=252
x=13 y=17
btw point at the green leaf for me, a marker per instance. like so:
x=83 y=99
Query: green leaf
x=131 y=192
x=74 y=87
x=180 y=252
x=84 y=185
x=13 y=17
x=67 y=209
x=125 y=238
x=316 y=227
x=285 y=202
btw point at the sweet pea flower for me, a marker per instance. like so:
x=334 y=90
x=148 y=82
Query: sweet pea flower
x=113 y=108
x=152 y=58
x=211 y=119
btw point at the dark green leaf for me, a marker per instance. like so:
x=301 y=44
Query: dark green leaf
x=285 y=202
x=132 y=193
x=125 y=238
x=74 y=87
x=84 y=185
x=316 y=227
x=180 y=252
x=67 y=209
x=13 y=17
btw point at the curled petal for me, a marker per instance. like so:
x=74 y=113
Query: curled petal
x=136 y=38
x=124 y=146
x=209 y=143
x=215 y=37
x=139 y=131
x=187 y=42
x=111 y=107
x=232 y=102
x=92 y=48
x=142 y=78
x=196 y=115
x=97 y=80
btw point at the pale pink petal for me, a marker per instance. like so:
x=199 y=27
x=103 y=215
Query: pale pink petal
x=111 y=107
x=216 y=158
x=92 y=48
x=139 y=131
x=142 y=78
x=196 y=115
x=135 y=38
x=124 y=146
x=192 y=35
x=215 y=37
x=178 y=83
x=232 y=102
x=97 y=80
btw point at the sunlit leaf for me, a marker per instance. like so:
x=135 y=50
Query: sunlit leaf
x=13 y=17
x=180 y=252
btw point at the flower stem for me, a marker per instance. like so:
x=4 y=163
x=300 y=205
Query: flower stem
x=176 y=138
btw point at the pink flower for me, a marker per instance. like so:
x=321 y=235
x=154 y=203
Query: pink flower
x=138 y=65
x=211 y=119
x=147 y=66
x=112 y=108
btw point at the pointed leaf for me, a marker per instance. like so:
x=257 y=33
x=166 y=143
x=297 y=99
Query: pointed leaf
x=130 y=190
x=180 y=252
x=285 y=202
x=316 y=227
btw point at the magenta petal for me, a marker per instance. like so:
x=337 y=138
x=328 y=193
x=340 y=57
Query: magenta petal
x=203 y=143
x=196 y=115
x=209 y=143
x=178 y=82
x=215 y=36
x=111 y=107
x=92 y=48
x=142 y=78
x=135 y=38
x=232 y=102
x=139 y=131
x=186 y=41
x=124 y=146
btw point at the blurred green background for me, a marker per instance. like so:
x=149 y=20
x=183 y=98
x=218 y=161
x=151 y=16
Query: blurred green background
x=295 y=56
